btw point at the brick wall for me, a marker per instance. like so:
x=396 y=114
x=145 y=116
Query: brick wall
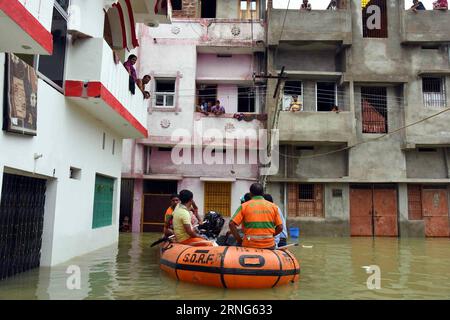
x=189 y=9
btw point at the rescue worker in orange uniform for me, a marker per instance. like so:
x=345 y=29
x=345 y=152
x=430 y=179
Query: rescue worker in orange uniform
x=168 y=228
x=260 y=219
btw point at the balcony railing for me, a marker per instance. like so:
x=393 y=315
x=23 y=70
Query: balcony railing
x=324 y=127
x=426 y=26
x=92 y=62
x=315 y=25
x=26 y=26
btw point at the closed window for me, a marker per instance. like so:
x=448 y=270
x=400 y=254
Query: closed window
x=165 y=93
x=434 y=92
x=103 y=202
x=52 y=67
x=249 y=9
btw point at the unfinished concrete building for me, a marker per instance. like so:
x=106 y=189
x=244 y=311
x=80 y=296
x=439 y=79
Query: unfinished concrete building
x=380 y=165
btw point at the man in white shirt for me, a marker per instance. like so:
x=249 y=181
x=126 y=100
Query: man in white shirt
x=281 y=238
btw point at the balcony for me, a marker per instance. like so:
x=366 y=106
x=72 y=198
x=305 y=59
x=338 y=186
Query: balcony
x=212 y=127
x=316 y=127
x=233 y=33
x=435 y=132
x=101 y=86
x=310 y=26
x=25 y=26
x=431 y=26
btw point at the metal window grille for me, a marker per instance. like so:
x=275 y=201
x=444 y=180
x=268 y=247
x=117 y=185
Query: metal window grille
x=305 y=200
x=369 y=19
x=374 y=110
x=434 y=94
x=218 y=197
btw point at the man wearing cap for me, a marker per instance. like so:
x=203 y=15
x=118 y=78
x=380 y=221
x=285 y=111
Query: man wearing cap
x=260 y=219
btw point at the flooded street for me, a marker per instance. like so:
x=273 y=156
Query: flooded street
x=331 y=268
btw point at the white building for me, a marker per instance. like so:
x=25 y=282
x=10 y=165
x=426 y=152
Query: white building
x=60 y=158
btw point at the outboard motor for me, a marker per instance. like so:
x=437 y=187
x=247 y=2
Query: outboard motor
x=212 y=225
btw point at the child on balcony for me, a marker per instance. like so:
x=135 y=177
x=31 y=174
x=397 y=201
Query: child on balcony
x=218 y=109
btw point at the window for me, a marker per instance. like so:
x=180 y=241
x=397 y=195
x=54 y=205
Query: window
x=434 y=92
x=249 y=9
x=305 y=200
x=206 y=93
x=218 y=197
x=103 y=202
x=246 y=99
x=162 y=149
x=52 y=67
x=177 y=4
x=75 y=173
x=306 y=192
x=165 y=93
x=292 y=88
x=326 y=96
x=374 y=110
x=208 y=8
x=374 y=19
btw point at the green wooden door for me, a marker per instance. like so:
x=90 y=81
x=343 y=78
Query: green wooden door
x=103 y=202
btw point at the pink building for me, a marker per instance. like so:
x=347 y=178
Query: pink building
x=208 y=53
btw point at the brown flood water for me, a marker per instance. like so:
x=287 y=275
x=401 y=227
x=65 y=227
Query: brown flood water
x=331 y=269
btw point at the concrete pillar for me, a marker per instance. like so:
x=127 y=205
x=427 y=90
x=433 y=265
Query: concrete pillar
x=403 y=202
x=137 y=204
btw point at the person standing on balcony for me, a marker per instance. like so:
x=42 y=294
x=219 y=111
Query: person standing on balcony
x=440 y=5
x=306 y=5
x=129 y=65
x=417 y=5
x=141 y=83
x=218 y=109
x=295 y=105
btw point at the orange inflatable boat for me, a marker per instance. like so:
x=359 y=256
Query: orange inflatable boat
x=229 y=267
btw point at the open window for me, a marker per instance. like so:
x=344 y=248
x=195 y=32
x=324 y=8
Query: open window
x=291 y=89
x=177 y=4
x=164 y=93
x=208 y=9
x=434 y=94
x=246 y=99
x=249 y=9
x=206 y=93
x=326 y=93
x=374 y=109
x=51 y=68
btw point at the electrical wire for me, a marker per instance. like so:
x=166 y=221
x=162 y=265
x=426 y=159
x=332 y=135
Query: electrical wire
x=366 y=141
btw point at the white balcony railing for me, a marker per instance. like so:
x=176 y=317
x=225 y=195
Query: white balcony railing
x=42 y=10
x=92 y=60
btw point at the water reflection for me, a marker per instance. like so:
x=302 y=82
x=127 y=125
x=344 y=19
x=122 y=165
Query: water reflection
x=331 y=268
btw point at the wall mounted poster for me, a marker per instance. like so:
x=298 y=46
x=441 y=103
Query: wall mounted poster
x=20 y=109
